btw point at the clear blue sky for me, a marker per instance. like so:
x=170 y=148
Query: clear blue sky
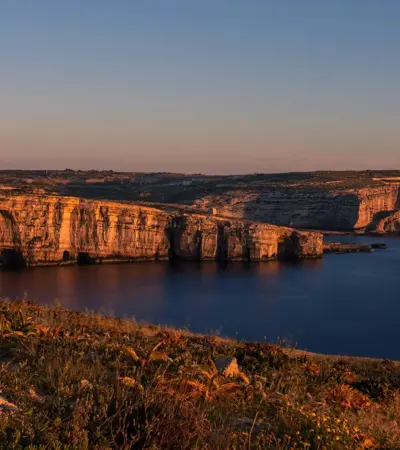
x=215 y=86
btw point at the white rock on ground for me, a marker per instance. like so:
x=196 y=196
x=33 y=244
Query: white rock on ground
x=227 y=365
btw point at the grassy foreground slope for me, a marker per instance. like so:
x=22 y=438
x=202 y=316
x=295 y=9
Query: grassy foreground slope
x=77 y=381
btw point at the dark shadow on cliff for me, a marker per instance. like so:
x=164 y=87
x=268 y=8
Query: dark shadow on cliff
x=301 y=208
x=397 y=205
x=222 y=245
x=66 y=256
x=84 y=259
x=378 y=217
x=12 y=260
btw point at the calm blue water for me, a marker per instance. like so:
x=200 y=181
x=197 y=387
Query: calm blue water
x=342 y=304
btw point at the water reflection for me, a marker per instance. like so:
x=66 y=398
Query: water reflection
x=341 y=304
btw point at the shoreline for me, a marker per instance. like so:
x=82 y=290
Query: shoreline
x=151 y=329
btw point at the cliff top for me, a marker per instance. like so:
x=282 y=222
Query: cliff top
x=181 y=188
x=83 y=381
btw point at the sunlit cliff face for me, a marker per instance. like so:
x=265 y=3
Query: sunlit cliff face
x=59 y=230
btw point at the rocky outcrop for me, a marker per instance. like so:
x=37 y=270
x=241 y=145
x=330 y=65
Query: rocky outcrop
x=349 y=247
x=195 y=236
x=374 y=201
x=388 y=222
x=319 y=208
x=41 y=230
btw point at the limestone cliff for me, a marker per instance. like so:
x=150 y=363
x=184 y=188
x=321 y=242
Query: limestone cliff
x=319 y=208
x=202 y=237
x=330 y=200
x=374 y=201
x=41 y=230
x=388 y=222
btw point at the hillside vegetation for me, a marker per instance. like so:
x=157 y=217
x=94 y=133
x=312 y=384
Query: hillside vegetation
x=83 y=381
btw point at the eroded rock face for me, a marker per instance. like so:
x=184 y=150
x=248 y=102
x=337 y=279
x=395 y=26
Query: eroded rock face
x=331 y=209
x=55 y=230
x=48 y=230
x=299 y=244
x=387 y=223
x=374 y=201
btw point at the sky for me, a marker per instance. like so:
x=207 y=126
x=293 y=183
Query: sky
x=211 y=86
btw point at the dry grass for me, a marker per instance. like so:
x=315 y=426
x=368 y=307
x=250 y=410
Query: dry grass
x=83 y=381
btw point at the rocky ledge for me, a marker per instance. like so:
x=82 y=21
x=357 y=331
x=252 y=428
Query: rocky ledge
x=48 y=230
x=346 y=247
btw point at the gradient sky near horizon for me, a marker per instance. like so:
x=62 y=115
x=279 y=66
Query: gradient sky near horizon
x=212 y=86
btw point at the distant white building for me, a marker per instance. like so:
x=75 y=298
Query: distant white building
x=213 y=211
